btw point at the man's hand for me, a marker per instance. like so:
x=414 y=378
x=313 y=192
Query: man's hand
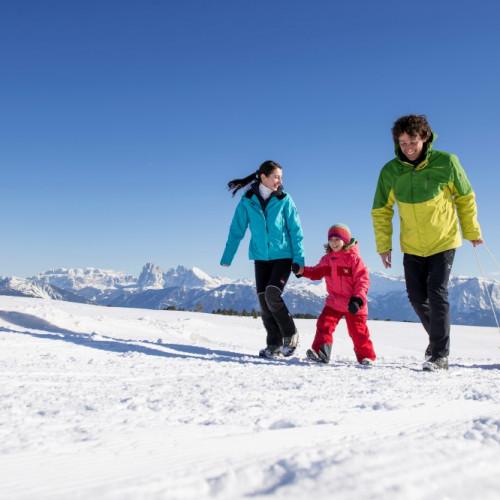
x=386 y=258
x=475 y=243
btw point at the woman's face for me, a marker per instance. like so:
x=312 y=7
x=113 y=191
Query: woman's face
x=411 y=146
x=273 y=180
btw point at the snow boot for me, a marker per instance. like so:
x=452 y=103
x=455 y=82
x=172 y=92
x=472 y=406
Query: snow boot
x=428 y=353
x=271 y=352
x=366 y=362
x=290 y=344
x=319 y=357
x=435 y=363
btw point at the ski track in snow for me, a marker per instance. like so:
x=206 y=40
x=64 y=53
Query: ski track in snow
x=115 y=403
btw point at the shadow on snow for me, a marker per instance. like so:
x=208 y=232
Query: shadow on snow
x=53 y=332
x=92 y=340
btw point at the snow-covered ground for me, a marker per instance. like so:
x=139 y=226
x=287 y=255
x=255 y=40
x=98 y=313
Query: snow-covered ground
x=112 y=403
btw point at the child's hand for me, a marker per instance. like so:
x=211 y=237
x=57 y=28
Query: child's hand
x=354 y=304
x=297 y=270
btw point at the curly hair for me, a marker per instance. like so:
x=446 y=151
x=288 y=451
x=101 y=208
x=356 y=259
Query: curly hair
x=413 y=125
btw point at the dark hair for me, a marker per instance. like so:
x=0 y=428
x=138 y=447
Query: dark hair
x=266 y=168
x=413 y=125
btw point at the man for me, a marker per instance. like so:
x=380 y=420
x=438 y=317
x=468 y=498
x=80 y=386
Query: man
x=430 y=189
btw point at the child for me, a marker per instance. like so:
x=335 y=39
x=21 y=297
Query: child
x=347 y=283
x=275 y=244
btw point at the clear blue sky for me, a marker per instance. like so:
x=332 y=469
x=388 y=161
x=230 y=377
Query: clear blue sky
x=122 y=121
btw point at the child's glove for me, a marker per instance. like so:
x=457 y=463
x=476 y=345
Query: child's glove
x=296 y=269
x=354 y=304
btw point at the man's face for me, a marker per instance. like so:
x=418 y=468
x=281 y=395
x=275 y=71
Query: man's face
x=411 y=146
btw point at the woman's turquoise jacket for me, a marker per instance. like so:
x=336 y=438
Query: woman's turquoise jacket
x=276 y=232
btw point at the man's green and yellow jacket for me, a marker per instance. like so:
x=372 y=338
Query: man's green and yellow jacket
x=429 y=197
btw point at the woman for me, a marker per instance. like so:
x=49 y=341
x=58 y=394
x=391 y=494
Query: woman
x=275 y=244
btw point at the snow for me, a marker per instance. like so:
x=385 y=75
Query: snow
x=111 y=403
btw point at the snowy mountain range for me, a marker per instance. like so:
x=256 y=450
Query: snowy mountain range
x=193 y=289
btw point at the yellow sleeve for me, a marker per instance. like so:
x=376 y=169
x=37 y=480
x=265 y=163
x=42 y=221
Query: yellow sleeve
x=382 y=224
x=467 y=216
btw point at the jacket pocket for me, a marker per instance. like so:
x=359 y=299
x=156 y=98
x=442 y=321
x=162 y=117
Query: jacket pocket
x=344 y=271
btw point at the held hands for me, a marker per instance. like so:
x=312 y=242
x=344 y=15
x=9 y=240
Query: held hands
x=297 y=270
x=354 y=304
x=386 y=258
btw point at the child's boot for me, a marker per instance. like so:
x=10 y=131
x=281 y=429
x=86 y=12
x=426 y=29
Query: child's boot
x=321 y=356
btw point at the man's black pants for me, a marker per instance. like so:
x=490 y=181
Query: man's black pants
x=427 y=288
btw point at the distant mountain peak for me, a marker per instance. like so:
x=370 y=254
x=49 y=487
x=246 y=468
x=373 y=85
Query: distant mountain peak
x=79 y=278
x=151 y=276
x=26 y=288
x=189 y=277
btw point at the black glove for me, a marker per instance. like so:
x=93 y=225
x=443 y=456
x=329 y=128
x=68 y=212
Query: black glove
x=354 y=304
x=296 y=269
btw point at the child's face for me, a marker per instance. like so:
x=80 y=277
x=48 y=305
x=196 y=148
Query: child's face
x=336 y=244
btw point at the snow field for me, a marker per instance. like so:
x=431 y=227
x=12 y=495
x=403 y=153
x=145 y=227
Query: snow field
x=113 y=403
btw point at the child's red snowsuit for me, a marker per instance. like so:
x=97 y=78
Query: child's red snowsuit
x=346 y=276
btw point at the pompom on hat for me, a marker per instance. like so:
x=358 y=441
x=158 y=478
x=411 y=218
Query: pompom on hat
x=340 y=231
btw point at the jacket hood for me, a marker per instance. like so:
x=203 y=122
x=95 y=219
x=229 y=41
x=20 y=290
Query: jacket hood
x=352 y=243
x=353 y=247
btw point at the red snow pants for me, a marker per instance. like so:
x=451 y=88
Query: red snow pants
x=356 y=326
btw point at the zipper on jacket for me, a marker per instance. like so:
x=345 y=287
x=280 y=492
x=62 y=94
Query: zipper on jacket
x=264 y=214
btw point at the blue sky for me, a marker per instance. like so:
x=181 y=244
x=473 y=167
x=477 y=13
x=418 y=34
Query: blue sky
x=121 y=122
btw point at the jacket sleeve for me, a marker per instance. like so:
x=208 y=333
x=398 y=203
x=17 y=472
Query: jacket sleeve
x=383 y=212
x=319 y=271
x=465 y=203
x=295 y=231
x=237 y=231
x=361 y=279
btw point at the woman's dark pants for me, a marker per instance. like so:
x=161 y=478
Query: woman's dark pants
x=271 y=277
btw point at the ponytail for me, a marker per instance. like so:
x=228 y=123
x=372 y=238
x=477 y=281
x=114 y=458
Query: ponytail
x=266 y=168
x=236 y=184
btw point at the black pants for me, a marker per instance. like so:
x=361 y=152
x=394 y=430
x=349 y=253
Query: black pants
x=271 y=277
x=427 y=288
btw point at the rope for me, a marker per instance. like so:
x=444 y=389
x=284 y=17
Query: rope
x=487 y=291
x=492 y=256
